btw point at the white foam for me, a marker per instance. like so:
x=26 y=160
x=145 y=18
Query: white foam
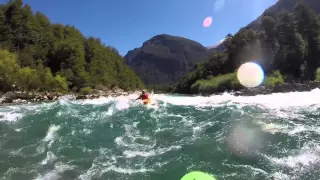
x=106 y=100
x=305 y=159
x=289 y=128
x=280 y=176
x=68 y=97
x=51 y=134
x=109 y=112
x=271 y=127
x=86 y=131
x=49 y=158
x=180 y=100
x=297 y=130
x=253 y=169
x=126 y=170
x=55 y=174
x=64 y=102
x=98 y=171
x=122 y=103
x=10 y=116
x=129 y=137
x=307 y=156
x=272 y=101
x=18 y=129
x=14 y=113
x=153 y=152
x=98 y=101
x=106 y=162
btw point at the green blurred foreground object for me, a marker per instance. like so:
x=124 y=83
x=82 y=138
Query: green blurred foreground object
x=197 y=175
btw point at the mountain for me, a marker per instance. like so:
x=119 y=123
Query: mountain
x=283 y=5
x=164 y=59
x=217 y=47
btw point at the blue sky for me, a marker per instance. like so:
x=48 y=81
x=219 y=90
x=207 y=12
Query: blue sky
x=126 y=24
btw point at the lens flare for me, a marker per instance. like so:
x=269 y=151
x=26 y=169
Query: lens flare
x=207 y=22
x=245 y=141
x=250 y=74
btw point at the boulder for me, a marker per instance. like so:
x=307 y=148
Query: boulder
x=69 y=97
x=99 y=92
x=7 y=100
x=19 y=101
x=8 y=95
x=117 y=90
x=81 y=97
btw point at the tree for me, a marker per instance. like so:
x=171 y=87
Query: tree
x=8 y=69
x=269 y=42
x=292 y=47
x=308 y=26
x=58 y=57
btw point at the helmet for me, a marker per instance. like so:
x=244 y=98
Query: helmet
x=143 y=90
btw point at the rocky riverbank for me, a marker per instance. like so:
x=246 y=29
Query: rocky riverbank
x=284 y=88
x=263 y=90
x=25 y=97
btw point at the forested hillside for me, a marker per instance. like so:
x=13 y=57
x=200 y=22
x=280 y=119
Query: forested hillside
x=38 y=55
x=281 y=5
x=287 y=47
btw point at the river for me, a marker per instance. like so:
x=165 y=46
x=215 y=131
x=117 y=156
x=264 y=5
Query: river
x=274 y=136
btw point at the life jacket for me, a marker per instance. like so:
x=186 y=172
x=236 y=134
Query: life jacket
x=144 y=96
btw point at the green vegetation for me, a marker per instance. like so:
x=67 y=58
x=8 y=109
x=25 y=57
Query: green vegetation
x=160 y=88
x=38 y=55
x=317 y=75
x=219 y=83
x=286 y=44
x=274 y=79
x=13 y=76
x=85 y=90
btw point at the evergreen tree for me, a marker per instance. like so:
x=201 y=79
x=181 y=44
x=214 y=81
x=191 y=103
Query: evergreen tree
x=56 y=57
x=308 y=26
x=292 y=47
x=269 y=41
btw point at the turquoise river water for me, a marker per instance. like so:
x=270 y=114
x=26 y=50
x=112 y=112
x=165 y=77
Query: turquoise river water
x=274 y=136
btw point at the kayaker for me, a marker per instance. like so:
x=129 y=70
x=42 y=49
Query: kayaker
x=144 y=95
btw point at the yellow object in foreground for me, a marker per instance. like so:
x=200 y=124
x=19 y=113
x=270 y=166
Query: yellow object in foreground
x=146 y=101
x=197 y=175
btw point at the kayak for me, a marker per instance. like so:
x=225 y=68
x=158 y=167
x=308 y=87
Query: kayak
x=146 y=101
x=197 y=175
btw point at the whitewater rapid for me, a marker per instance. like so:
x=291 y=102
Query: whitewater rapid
x=119 y=138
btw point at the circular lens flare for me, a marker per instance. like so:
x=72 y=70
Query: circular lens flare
x=250 y=74
x=207 y=22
